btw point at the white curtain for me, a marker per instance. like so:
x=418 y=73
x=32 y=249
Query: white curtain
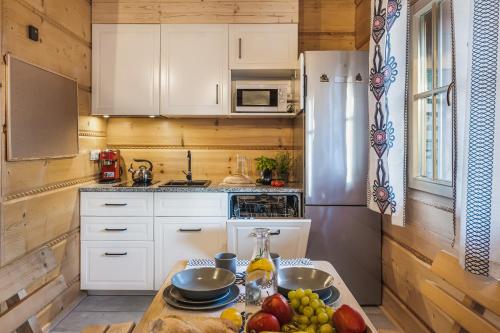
x=387 y=108
x=478 y=128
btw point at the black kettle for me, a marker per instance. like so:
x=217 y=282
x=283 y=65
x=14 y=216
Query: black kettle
x=143 y=174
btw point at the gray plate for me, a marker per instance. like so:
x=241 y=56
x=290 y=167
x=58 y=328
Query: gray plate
x=233 y=294
x=175 y=294
x=203 y=284
x=334 y=296
x=292 y=278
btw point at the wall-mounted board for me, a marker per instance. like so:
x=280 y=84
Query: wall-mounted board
x=42 y=113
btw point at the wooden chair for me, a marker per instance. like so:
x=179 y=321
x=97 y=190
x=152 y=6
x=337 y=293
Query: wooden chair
x=20 y=307
x=113 y=328
x=478 y=296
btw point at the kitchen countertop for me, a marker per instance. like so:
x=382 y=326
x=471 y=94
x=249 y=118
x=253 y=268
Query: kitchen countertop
x=292 y=188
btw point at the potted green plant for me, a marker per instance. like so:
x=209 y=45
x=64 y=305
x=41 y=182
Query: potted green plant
x=284 y=163
x=266 y=166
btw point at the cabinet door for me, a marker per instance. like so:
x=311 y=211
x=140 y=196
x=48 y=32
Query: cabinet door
x=117 y=265
x=288 y=237
x=182 y=238
x=263 y=46
x=194 y=69
x=125 y=69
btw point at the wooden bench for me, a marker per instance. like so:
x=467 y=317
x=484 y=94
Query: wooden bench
x=113 y=328
x=21 y=307
x=466 y=298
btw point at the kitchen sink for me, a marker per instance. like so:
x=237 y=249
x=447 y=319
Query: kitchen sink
x=185 y=183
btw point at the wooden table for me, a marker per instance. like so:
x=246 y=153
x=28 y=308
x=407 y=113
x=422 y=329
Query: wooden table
x=159 y=308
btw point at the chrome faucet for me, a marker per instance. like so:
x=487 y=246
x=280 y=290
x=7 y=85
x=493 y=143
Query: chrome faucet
x=189 y=174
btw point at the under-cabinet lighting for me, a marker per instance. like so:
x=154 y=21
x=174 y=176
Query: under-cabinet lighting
x=105 y=116
x=152 y=116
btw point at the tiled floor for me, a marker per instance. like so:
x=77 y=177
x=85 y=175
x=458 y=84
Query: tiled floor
x=113 y=309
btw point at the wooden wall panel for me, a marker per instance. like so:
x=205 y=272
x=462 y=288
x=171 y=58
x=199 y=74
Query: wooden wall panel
x=362 y=24
x=326 y=25
x=195 y=11
x=32 y=221
x=40 y=201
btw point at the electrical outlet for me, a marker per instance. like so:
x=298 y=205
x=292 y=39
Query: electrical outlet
x=94 y=154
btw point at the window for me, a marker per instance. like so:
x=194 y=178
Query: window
x=431 y=115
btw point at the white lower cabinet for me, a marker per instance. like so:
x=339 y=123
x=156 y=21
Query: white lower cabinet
x=117 y=265
x=288 y=237
x=180 y=238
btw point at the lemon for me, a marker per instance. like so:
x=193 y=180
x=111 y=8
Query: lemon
x=263 y=264
x=232 y=315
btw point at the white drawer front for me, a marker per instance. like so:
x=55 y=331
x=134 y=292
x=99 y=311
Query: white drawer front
x=191 y=204
x=117 y=265
x=117 y=228
x=116 y=204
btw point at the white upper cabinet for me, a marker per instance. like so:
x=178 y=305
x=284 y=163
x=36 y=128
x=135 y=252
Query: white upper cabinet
x=125 y=69
x=194 y=69
x=263 y=46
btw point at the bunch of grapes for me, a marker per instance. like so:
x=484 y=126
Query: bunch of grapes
x=311 y=313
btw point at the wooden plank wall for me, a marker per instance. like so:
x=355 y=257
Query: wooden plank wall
x=39 y=199
x=327 y=25
x=214 y=143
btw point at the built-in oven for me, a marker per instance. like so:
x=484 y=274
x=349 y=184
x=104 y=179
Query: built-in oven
x=280 y=212
x=260 y=96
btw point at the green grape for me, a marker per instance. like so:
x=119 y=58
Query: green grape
x=302 y=327
x=322 y=303
x=304 y=320
x=322 y=318
x=295 y=318
x=314 y=296
x=299 y=293
x=308 y=311
x=292 y=294
x=326 y=328
x=301 y=309
x=295 y=303
x=320 y=310
x=314 y=319
x=308 y=292
x=311 y=329
x=329 y=312
x=305 y=300
x=314 y=304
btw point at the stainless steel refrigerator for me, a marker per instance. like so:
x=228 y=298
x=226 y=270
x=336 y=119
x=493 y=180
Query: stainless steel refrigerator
x=335 y=162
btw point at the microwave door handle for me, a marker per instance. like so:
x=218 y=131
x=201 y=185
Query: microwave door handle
x=239 y=48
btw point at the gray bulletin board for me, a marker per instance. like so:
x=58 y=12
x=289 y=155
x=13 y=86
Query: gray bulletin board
x=42 y=113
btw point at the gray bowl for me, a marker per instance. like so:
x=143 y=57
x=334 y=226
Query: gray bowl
x=203 y=283
x=292 y=278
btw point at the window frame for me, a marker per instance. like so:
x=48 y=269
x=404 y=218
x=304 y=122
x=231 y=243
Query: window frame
x=415 y=181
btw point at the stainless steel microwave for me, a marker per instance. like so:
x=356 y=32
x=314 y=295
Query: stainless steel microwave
x=260 y=96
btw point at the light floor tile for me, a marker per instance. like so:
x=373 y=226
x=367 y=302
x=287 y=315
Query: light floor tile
x=115 y=303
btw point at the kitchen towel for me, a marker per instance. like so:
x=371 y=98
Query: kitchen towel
x=387 y=108
x=478 y=145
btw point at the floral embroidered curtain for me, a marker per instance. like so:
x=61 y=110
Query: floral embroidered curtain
x=388 y=108
x=478 y=145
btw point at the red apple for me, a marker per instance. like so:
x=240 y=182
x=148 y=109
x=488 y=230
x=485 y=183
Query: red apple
x=278 y=306
x=262 y=321
x=348 y=320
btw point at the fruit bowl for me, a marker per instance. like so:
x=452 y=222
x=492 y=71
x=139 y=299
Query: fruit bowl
x=292 y=278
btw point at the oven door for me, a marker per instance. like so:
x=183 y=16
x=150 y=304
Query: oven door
x=257 y=100
x=288 y=236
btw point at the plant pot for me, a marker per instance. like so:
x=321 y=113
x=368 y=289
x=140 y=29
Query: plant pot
x=266 y=176
x=284 y=176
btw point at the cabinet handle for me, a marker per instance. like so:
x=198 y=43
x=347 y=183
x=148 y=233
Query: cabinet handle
x=190 y=230
x=110 y=254
x=217 y=93
x=275 y=233
x=115 y=229
x=448 y=92
x=239 y=48
x=115 y=204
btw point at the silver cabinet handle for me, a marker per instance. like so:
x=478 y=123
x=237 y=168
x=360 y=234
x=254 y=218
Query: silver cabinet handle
x=115 y=204
x=239 y=48
x=275 y=233
x=115 y=229
x=111 y=254
x=217 y=93
x=190 y=230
